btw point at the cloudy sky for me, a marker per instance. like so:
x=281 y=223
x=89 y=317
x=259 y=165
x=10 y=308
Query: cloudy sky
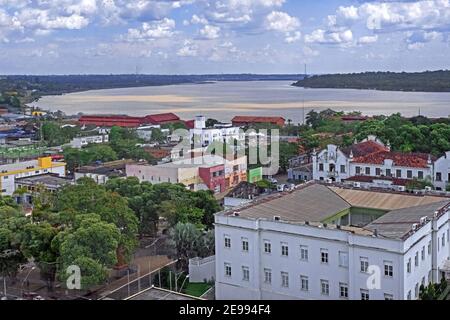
x=222 y=36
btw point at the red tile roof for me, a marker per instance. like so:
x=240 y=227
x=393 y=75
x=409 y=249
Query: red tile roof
x=162 y=118
x=411 y=160
x=111 y=120
x=253 y=119
x=364 y=148
x=190 y=124
x=126 y=121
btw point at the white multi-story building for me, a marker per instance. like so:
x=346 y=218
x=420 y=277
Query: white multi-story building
x=372 y=163
x=203 y=136
x=10 y=172
x=309 y=244
x=442 y=172
x=80 y=142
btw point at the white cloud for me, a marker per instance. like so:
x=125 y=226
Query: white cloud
x=198 y=20
x=416 y=46
x=210 y=32
x=308 y=52
x=293 y=37
x=343 y=37
x=189 y=49
x=349 y=13
x=44 y=19
x=25 y=40
x=368 y=39
x=281 y=21
x=164 y=28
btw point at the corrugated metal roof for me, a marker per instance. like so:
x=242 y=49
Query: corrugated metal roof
x=398 y=223
x=383 y=200
x=313 y=203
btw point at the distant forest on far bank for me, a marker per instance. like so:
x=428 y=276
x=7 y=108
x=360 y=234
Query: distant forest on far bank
x=60 y=84
x=429 y=81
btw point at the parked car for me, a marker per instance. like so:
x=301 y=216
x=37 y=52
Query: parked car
x=290 y=187
x=273 y=180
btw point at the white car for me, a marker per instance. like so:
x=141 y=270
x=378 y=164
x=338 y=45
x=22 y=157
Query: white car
x=272 y=180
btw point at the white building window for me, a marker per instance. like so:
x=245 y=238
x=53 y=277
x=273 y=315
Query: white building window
x=416 y=291
x=304 y=283
x=443 y=240
x=324 y=287
x=284 y=249
x=408 y=266
x=343 y=290
x=422 y=253
x=304 y=253
x=364 y=264
x=324 y=255
x=429 y=247
x=267 y=276
x=408 y=297
x=267 y=246
x=245 y=274
x=416 y=259
x=285 y=279
x=343 y=259
x=365 y=294
x=245 y=244
x=227 y=270
x=388 y=269
x=227 y=240
x=388 y=296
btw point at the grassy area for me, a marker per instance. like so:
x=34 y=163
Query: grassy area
x=196 y=289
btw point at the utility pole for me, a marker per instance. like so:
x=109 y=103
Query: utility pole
x=4 y=286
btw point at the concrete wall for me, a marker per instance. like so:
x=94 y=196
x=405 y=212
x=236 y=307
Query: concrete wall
x=202 y=269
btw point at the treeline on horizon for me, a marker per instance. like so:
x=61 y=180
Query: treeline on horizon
x=60 y=84
x=429 y=81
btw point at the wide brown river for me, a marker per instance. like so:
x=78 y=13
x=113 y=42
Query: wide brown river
x=223 y=100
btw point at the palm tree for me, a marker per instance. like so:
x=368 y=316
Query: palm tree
x=184 y=238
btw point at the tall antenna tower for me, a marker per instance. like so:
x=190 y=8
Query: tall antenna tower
x=136 y=73
x=303 y=95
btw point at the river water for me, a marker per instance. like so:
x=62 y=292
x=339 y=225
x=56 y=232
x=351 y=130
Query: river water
x=224 y=100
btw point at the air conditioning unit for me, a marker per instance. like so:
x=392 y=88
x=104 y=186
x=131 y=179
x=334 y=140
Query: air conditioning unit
x=277 y=218
x=402 y=188
x=427 y=188
x=329 y=181
x=423 y=220
x=415 y=227
x=357 y=184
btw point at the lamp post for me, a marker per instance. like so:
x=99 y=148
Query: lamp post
x=4 y=287
x=23 y=282
x=182 y=285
